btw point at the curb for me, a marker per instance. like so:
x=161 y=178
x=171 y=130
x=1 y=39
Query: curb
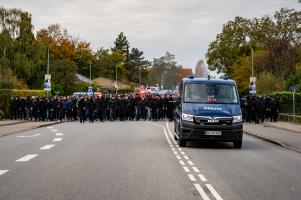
x=28 y=129
x=272 y=141
x=286 y=129
x=12 y=123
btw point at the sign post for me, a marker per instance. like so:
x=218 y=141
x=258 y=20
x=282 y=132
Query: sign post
x=47 y=83
x=294 y=88
x=252 y=85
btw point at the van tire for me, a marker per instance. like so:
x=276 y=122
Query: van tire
x=182 y=143
x=237 y=144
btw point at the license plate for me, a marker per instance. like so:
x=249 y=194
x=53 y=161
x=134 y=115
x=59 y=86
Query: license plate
x=213 y=133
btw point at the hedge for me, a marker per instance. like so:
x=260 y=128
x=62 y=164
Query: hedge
x=6 y=94
x=286 y=102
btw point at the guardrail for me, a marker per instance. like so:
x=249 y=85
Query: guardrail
x=290 y=117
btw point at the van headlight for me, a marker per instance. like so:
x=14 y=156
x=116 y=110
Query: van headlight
x=237 y=119
x=187 y=117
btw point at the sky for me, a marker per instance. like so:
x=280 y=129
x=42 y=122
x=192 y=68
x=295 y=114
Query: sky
x=184 y=28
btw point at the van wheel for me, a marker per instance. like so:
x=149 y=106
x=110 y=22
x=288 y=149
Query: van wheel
x=175 y=137
x=182 y=143
x=237 y=144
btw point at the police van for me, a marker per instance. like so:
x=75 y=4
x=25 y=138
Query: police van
x=208 y=110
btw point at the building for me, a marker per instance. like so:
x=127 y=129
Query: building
x=186 y=72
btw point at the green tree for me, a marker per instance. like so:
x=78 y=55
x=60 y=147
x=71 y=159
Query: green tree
x=164 y=71
x=137 y=64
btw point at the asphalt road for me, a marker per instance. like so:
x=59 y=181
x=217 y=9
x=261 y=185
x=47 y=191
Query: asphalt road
x=140 y=160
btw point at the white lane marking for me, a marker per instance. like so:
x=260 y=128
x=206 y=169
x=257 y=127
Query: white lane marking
x=201 y=191
x=191 y=177
x=202 y=177
x=190 y=162
x=57 y=139
x=59 y=134
x=180 y=149
x=186 y=157
x=3 y=172
x=195 y=169
x=177 y=145
x=176 y=153
x=25 y=136
x=48 y=146
x=186 y=169
x=49 y=127
x=171 y=145
x=178 y=157
x=54 y=130
x=27 y=158
x=213 y=191
x=182 y=152
x=181 y=162
x=169 y=132
x=173 y=149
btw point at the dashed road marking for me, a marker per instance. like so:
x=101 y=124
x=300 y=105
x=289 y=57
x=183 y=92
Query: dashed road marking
x=25 y=136
x=181 y=162
x=48 y=146
x=3 y=172
x=173 y=149
x=180 y=149
x=202 y=177
x=191 y=177
x=57 y=139
x=186 y=169
x=190 y=162
x=201 y=191
x=27 y=158
x=186 y=157
x=54 y=130
x=182 y=152
x=59 y=134
x=178 y=157
x=213 y=191
x=195 y=169
x=176 y=153
x=49 y=127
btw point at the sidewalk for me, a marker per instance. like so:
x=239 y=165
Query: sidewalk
x=8 y=127
x=282 y=133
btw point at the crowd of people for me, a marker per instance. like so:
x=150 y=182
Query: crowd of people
x=258 y=108
x=107 y=107
x=110 y=107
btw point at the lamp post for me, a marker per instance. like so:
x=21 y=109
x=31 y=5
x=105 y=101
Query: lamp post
x=90 y=74
x=48 y=61
x=116 y=79
x=252 y=79
x=252 y=54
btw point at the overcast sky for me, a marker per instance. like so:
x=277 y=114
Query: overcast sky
x=182 y=27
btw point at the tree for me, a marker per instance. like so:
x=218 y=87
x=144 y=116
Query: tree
x=122 y=44
x=8 y=80
x=164 y=71
x=137 y=63
x=107 y=61
x=274 y=40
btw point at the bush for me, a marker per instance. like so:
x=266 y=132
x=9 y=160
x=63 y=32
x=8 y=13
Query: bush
x=286 y=102
x=6 y=94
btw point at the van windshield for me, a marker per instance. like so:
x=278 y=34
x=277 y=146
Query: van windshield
x=210 y=93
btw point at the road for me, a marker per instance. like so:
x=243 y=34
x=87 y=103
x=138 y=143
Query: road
x=140 y=160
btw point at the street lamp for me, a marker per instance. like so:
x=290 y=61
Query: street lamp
x=248 y=39
x=48 y=61
x=162 y=79
x=252 y=78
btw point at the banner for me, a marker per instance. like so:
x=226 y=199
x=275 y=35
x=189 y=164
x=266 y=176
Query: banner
x=47 y=82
